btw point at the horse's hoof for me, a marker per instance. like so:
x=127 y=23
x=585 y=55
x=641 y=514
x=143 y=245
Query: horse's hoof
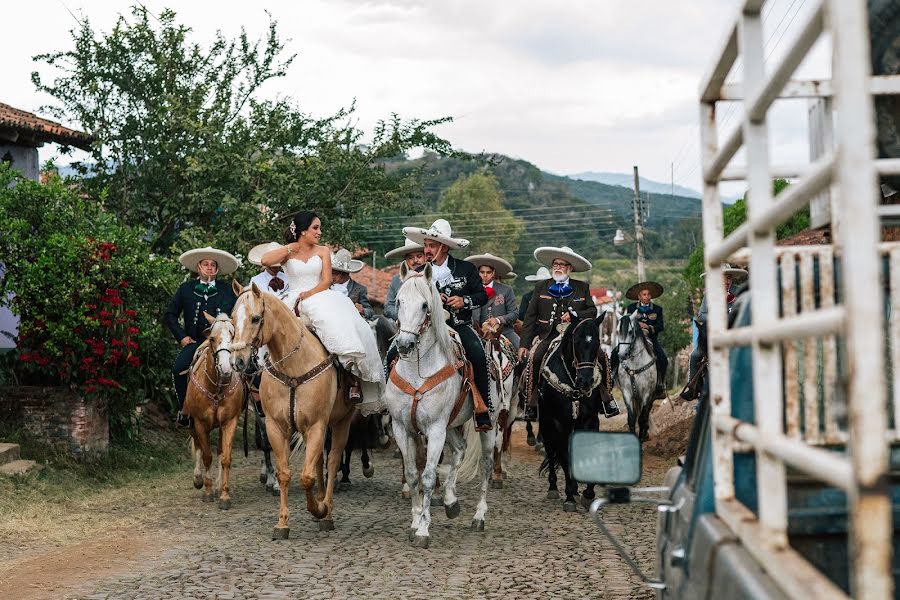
x=263 y=478
x=586 y=502
x=570 y=506
x=503 y=475
x=477 y=525
x=411 y=533
x=496 y=484
x=397 y=453
x=281 y=533
x=436 y=501
x=530 y=440
x=269 y=487
x=421 y=541
x=326 y=525
x=225 y=504
x=344 y=485
x=275 y=491
x=406 y=495
x=198 y=483
x=553 y=495
x=452 y=510
x=384 y=442
x=207 y=498
x=368 y=472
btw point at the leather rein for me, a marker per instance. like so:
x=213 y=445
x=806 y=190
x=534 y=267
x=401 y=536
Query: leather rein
x=289 y=381
x=632 y=372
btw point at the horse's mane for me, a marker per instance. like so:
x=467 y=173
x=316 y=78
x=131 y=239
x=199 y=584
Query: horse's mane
x=435 y=307
x=639 y=335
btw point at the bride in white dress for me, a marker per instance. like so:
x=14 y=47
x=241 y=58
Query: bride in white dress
x=337 y=322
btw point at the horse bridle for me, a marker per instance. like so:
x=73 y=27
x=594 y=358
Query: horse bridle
x=256 y=342
x=578 y=393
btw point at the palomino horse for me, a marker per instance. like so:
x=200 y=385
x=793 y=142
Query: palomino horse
x=426 y=394
x=636 y=375
x=215 y=397
x=301 y=390
x=570 y=399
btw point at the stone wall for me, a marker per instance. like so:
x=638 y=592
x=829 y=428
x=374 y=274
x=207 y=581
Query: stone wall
x=58 y=416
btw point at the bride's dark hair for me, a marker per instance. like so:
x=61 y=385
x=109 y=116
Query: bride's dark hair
x=301 y=222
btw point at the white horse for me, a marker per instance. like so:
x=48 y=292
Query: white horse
x=426 y=367
x=636 y=374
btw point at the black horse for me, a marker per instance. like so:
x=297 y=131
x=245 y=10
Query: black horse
x=571 y=401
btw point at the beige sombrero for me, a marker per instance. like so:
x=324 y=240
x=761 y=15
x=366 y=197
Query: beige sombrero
x=227 y=263
x=501 y=267
x=254 y=257
x=511 y=276
x=440 y=231
x=543 y=274
x=546 y=254
x=407 y=247
x=737 y=275
x=343 y=261
x=656 y=290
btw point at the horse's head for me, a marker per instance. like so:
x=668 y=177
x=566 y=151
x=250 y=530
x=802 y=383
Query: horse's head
x=584 y=337
x=221 y=332
x=417 y=302
x=250 y=331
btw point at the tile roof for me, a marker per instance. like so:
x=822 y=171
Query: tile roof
x=28 y=129
x=378 y=287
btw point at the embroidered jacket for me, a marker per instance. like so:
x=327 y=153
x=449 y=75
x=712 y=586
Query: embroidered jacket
x=544 y=311
x=190 y=304
x=465 y=283
x=653 y=317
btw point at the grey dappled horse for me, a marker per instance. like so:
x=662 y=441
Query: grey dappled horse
x=636 y=374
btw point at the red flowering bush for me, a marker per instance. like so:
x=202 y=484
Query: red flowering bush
x=89 y=297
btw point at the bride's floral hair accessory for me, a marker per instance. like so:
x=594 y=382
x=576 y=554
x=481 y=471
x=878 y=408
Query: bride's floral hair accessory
x=293 y=229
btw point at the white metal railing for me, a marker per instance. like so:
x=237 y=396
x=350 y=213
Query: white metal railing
x=789 y=423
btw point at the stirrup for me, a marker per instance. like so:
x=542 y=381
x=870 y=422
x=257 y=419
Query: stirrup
x=610 y=410
x=483 y=422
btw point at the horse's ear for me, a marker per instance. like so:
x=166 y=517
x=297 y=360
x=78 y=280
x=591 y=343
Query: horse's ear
x=404 y=271
x=210 y=319
x=236 y=287
x=427 y=272
x=255 y=289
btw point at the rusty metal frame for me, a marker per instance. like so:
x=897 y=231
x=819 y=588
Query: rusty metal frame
x=849 y=171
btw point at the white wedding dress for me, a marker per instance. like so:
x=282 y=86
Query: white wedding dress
x=339 y=326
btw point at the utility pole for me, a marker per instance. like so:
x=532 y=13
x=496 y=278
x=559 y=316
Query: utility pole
x=638 y=227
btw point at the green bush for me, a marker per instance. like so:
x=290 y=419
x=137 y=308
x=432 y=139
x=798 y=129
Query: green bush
x=89 y=296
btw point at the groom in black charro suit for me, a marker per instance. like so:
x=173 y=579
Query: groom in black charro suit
x=191 y=300
x=461 y=291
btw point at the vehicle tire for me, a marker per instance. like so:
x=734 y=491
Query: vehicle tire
x=884 y=32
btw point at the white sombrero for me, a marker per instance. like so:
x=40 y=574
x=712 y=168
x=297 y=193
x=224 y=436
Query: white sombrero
x=546 y=254
x=343 y=261
x=406 y=248
x=543 y=274
x=439 y=231
x=254 y=257
x=227 y=263
x=501 y=267
x=737 y=275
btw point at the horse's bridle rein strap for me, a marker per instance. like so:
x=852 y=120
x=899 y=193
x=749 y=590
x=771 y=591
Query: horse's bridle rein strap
x=294 y=382
x=221 y=390
x=431 y=383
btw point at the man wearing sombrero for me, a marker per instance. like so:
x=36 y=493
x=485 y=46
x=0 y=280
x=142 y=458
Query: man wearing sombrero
x=461 y=292
x=650 y=318
x=555 y=301
x=413 y=255
x=271 y=278
x=342 y=265
x=500 y=311
x=193 y=298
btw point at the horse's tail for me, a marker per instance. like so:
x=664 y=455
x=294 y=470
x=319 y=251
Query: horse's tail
x=471 y=462
x=546 y=465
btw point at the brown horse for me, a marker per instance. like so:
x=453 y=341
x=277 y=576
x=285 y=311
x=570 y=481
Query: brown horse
x=302 y=389
x=215 y=397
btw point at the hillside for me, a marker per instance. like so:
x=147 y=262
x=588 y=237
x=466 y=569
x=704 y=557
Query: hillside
x=627 y=180
x=555 y=210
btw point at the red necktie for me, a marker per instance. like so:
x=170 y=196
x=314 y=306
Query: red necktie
x=490 y=292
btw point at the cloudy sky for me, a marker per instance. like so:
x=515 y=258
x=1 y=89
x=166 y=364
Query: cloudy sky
x=573 y=86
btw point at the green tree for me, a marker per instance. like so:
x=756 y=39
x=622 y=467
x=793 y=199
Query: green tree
x=474 y=206
x=733 y=217
x=188 y=151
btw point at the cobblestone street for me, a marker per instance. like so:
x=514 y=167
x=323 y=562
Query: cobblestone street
x=530 y=548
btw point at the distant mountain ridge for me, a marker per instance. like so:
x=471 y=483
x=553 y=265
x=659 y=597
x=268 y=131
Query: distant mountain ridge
x=626 y=180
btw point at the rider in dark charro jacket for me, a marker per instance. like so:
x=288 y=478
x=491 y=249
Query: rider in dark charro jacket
x=461 y=291
x=650 y=318
x=191 y=300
